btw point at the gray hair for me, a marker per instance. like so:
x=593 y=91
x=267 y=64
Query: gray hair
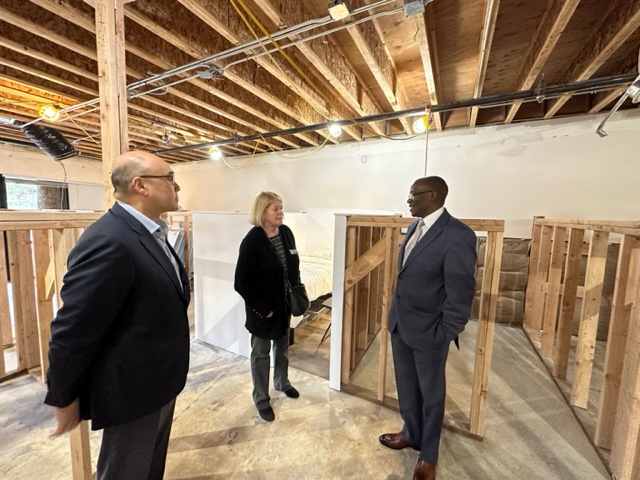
x=125 y=171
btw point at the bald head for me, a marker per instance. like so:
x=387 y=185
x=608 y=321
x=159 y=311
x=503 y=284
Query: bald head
x=130 y=165
x=146 y=182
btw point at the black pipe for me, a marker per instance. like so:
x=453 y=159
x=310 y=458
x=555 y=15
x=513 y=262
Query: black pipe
x=50 y=141
x=577 y=88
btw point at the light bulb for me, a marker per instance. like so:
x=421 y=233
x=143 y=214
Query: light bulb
x=335 y=130
x=49 y=112
x=215 y=154
x=421 y=124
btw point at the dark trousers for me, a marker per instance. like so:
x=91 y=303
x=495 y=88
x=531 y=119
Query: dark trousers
x=260 y=366
x=136 y=450
x=420 y=380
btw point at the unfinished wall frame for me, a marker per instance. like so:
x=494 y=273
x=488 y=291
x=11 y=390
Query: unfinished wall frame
x=371 y=250
x=551 y=295
x=37 y=244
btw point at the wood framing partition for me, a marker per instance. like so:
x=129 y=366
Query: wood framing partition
x=552 y=290
x=33 y=247
x=372 y=245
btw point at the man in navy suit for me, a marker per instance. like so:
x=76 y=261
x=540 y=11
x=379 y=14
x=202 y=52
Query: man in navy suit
x=431 y=306
x=119 y=349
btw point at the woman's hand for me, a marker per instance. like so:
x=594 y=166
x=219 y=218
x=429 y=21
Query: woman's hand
x=270 y=314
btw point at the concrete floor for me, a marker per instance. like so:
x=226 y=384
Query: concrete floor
x=530 y=431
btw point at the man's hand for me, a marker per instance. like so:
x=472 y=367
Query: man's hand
x=68 y=418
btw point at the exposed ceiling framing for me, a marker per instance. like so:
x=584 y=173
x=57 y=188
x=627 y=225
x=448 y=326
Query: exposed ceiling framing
x=376 y=61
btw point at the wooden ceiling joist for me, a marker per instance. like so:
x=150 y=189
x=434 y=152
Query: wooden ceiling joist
x=484 y=49
x=554 y=20
x=616 y=28
x=429 y=53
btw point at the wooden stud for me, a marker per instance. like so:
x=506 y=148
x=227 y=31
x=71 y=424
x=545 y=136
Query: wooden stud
x=542 y=273
x=627 y=282
x=390 y=241
x=589 y=318
x=486 y=328
x=42 y=257
x=347 y=325
x=553 y=292
x=25 y=316
x=625 y=448
x=567 y=307
x=112 y=86
x=5 y=316
x=534 y=255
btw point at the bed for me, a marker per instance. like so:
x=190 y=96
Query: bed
x=316 y=272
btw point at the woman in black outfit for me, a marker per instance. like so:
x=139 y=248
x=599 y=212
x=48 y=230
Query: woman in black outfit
x=268 y=264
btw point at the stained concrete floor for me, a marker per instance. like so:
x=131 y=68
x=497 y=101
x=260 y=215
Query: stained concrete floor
x=530 y=431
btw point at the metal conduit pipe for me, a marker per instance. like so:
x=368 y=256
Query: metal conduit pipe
x=317 y=35
x=239 y=49
x=577 y=88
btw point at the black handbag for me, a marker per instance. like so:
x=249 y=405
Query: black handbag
x=298 y=299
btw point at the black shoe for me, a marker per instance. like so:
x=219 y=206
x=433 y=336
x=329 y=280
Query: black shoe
x=291 y=392
x=267 y=414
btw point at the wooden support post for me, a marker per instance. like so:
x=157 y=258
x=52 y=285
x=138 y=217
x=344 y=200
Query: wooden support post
x=530 y=294
x=347 y=315
x=594 y=279
x=627 y=282
x=569 y=290
x=112 y=84
x=625 y=448
x=25 y=316
x=542 y=273
x=5 y=316
x=486 y=328
x=547 y=335
x=391 y=237
x=42 y=257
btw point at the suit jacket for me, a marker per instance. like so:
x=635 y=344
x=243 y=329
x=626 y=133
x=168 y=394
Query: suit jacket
x=260 y=280
x=435 y=287
x=120 y=341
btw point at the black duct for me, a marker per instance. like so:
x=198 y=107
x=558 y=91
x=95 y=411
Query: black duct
x=50 y=141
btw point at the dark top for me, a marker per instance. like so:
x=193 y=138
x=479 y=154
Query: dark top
x=120 y=341
x=260 y=280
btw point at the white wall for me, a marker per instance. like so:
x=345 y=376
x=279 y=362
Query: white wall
x=84 y=177
x=557 y=168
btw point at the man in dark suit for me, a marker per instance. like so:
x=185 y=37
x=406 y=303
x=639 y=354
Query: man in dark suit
x=431 y=306
x=119 y=349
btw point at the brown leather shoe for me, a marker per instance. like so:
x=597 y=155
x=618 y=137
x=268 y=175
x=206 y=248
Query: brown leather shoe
x=395 y=441
x=424 y=471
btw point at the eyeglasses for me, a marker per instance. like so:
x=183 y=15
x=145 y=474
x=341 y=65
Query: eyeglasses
x=170 y=178
x=411 y=196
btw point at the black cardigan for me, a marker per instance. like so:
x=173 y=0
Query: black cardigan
x=259 y=279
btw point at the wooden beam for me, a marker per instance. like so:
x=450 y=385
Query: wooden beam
x=548 y=334
x=429 y=53
x=616 y=28
x=626 y=284
x=625 y=448
x=594 y=279
x=556 y=16
x=567 y=307
x=608 y=98
x=112 y=87
x=484 y=50
x=485 y=334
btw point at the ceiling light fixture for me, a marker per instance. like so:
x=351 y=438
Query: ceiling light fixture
x=215 y=154
x=338 y=9
x=49 y=112
x=421 y=124
x=335 y=130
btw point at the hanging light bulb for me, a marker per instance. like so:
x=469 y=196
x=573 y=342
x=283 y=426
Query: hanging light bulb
x=335 y=130
x=215 y=154
x=421 y=124
x=49 y=112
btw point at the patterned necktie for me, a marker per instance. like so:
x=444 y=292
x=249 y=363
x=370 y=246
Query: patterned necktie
x=413 y=240
x=162 y=239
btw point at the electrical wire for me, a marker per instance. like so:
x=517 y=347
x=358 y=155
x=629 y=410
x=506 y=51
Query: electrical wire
x=295 y=157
